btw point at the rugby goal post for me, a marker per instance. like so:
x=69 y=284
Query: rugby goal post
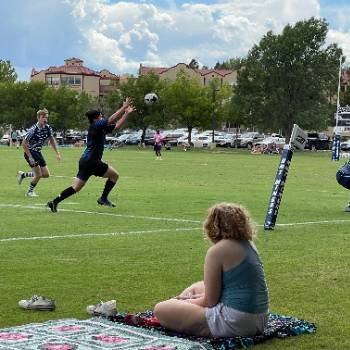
x=297 y=140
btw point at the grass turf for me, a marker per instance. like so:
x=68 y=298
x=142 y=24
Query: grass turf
x=151 y=246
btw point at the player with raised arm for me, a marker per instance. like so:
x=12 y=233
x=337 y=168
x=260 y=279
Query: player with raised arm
x=91 y=162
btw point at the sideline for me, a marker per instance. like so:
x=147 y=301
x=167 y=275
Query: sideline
x=80 y=235
x=43 y=207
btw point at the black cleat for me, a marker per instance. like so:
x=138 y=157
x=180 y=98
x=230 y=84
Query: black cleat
x=53 y=206
x=106 y=202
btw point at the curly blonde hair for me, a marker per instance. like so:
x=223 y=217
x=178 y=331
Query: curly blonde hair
x=229 y=221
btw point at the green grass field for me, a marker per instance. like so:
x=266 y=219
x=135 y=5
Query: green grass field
x=151 y=246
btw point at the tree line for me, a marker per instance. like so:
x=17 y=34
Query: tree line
x=286 y=78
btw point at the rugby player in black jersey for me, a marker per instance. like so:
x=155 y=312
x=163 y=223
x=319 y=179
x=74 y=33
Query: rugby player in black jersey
x=91 y=162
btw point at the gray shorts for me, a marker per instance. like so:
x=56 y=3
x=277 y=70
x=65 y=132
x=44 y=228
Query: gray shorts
x=223 y=321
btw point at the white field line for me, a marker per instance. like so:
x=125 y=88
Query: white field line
x=321 y=222
x=73 y=177
x=109 y=234
x=100 y=213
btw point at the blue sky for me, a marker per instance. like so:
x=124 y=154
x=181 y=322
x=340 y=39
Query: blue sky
x=119 y=35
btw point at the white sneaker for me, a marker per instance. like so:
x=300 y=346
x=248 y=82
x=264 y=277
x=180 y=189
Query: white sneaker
x=20 y=177
x=109 y=308
x=37 y=302
x=31 y=194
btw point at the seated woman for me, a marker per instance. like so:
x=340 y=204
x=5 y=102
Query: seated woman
x=232 y=300
x=257 y=149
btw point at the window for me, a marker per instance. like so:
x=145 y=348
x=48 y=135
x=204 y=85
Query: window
x=71 y=80
x=52 y=80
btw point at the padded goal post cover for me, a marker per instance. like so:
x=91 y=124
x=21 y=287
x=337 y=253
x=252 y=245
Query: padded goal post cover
x=336 y=147
x=298 y=137
x=278 y=187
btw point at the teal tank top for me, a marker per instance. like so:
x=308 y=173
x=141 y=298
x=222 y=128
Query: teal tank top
x=244 y=286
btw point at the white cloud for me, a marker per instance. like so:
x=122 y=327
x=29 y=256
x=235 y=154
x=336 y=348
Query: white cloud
x=142 y=32
x=343 y=40
x=119 y=35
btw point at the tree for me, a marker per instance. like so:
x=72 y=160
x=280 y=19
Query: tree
x=84 y=102
x=20 y=102
x=144 y=115
x=188 y=103
x=7 y=72
x=221 y=96
x=345 y=94
x=65 y=111
x=193 y=64
x=233 y=64
x=114 y=100
x=286 y=79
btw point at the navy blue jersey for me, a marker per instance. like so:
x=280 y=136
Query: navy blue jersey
x=343 y=175
x=36 y=136
x=96 y=139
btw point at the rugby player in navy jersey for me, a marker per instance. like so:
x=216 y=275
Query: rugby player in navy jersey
x=32 y=144
x=91 y=162
x=343 y=178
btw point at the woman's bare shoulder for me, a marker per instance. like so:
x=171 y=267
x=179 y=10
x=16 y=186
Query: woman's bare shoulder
x=229 y=252
x=227 y=245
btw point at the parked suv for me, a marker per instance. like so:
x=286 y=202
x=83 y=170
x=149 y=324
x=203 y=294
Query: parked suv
x=246 y=140
x=317 y=141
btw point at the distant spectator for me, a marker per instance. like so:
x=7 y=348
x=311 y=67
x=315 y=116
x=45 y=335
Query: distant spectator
x=14 y=138
x=257 y=149
x=274 y=148
x=158 y=140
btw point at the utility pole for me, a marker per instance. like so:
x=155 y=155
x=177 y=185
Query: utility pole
x=215 y=89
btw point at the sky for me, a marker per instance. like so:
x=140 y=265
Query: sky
x=121 y=35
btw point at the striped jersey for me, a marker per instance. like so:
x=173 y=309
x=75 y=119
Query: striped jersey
x=36 y=136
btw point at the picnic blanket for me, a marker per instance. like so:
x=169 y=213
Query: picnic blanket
x=93 y=334
x=114 y=333
x=278 y=326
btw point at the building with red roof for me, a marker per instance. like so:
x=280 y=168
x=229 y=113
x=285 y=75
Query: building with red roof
x=204 y=76
x=78 y=77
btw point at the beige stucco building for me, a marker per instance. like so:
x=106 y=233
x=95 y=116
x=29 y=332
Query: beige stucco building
x=78 y=77
x=204 y=76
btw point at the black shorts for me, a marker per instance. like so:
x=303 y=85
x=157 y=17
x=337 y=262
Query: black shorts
x=91 y=167
x=38 y=158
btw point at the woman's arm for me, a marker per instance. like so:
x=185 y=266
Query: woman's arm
x=212 y=279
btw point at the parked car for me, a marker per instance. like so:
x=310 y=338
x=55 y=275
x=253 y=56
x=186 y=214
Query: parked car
x=202 y=141
x=278 y=140
x=317 y=141
x=225 y=140
x=247 y=140
x=133 y=139
x=345 y=145
x=5 y=140
x=172 y=137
